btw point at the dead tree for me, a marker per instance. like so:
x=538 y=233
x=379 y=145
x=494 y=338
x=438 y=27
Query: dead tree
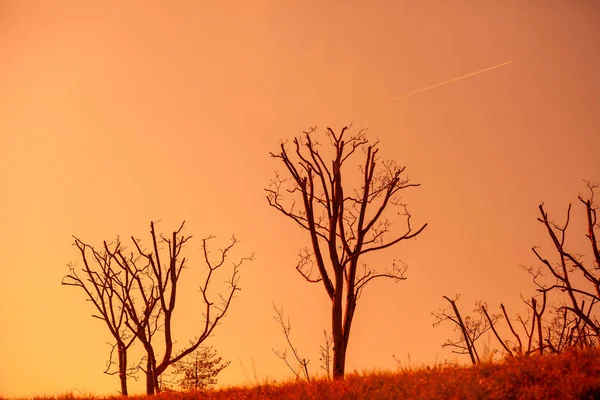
x=151 y=280
x=531 y=324
x=342 y=222
x=540 y=334
x=105 y=287
x=140 y=302
x=164 y=271
x=536 y=324
x=572 y=321
x=571 y=273
x=470 y=329
x=565 y=330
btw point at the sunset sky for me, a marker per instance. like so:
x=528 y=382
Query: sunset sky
x=113 y=114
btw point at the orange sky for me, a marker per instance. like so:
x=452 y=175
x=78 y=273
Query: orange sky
x=115 y=114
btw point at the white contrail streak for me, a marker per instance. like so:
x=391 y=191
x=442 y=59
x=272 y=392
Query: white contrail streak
x=446 y=82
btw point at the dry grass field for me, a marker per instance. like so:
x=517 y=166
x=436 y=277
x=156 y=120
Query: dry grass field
x=574 y=374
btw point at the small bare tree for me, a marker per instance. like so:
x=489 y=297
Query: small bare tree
x=302 y=363
x=470 y=328
x=301 y=371
x=343 y=223
x=105 y=287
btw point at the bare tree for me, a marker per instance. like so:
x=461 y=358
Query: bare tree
x=140 y=302
x=530 y=324
x=286 y=328
x=566 y=330
x=343 y=223
x=470 y=328
x=570 y=268
x=150 y=279
x=301 y=371
x=569 y=322
x=105 y=287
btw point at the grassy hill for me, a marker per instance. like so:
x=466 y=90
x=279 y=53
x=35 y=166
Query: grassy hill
x=574 y=374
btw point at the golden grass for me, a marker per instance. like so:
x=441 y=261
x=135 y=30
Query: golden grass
x=574 y=374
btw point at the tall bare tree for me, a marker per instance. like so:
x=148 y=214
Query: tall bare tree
x=344 y=223
x=106 y=287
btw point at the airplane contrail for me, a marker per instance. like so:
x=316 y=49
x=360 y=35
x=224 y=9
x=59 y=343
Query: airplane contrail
x=446 y=82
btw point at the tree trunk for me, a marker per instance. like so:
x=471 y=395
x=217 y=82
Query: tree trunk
x=339 y=343
x=149 y=377
x=123 y=368
x=339 y=358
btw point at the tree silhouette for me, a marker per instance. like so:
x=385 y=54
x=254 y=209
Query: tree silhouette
x=343 y=223
x=148 y=282
x=200 y=369
x=300 y=371
x=570 y=319
x=470 y=329
x=105 y=289
x=571 y=274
